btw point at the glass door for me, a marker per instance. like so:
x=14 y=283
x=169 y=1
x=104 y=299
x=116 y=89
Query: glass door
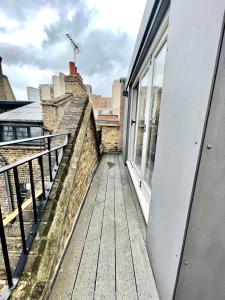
x=145 y=113
x=153 y=119
x=143 y=97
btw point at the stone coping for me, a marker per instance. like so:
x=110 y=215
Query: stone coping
x=74 y=78
x=58 y=100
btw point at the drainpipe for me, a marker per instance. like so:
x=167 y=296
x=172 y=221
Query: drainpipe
x=6 y=177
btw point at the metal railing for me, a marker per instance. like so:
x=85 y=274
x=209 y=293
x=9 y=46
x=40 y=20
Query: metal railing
x=38 y=210
x=99 y=136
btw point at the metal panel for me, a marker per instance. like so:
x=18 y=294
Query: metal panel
x=193 y=41
x=203 y=265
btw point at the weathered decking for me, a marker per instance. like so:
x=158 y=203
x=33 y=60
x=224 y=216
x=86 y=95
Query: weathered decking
x=106 y=257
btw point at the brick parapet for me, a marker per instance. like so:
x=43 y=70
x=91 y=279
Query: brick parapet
x=53 y=111
x=79 y=162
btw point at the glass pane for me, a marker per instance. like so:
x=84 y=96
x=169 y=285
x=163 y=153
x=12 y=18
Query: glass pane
x=141 y=118
x=158 y=70
x=8 y=133
x=35 y=131
x=21 y=132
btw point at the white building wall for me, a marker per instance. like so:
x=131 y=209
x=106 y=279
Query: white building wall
x=116 y=91
x=33 y=94
x=193 y=41
x=58 y=85
x=46 y=91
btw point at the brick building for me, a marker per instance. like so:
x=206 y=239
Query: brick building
x=32 y=120
x=6 y=92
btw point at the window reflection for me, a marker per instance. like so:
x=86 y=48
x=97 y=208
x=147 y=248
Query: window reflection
x=7 y=133
x=158 y=70
x=141 y=118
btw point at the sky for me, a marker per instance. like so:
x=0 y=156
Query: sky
x=34 y=46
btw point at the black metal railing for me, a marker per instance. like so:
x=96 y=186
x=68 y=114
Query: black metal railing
x=38 y=209
x=99 y=136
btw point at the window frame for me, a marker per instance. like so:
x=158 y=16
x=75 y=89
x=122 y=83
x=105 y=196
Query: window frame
x=143 y=189
x=14 y=130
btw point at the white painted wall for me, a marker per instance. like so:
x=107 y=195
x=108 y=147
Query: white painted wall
x=193 y=40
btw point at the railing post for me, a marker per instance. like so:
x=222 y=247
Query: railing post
x=56 y=157
x=40 y=160
x=5 y=252
x=32 y=190
x=19 y=203
x=49 y=159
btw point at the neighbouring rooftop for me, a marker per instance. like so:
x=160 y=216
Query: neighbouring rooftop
x=27 y=113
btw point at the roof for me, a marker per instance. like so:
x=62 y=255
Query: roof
x=27 y=113
x=11 y=104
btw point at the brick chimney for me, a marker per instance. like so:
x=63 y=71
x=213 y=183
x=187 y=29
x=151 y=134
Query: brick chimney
x=74 y=82
x=73 y=68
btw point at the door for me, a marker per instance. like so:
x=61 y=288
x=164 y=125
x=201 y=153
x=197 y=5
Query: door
x=144 y=123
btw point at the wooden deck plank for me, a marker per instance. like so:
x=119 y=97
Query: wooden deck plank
x=63 y=286
x=85 y=281
x=125 y=278
x=105 y=280
x=144 y=277
x=107 y=257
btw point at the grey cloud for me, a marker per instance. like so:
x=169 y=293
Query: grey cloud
x=102 y=53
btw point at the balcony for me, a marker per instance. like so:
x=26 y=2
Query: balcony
x=106 y=257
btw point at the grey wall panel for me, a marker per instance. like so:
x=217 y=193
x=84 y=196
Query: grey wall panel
x=194 y=34
x=202 y=272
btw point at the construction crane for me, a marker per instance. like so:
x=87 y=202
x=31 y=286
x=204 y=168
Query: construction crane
x=75 y=46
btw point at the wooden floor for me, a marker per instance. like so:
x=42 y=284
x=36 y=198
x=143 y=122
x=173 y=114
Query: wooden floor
x=107 y=257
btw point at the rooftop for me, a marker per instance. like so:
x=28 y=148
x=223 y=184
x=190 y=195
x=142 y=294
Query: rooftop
x=27 y=113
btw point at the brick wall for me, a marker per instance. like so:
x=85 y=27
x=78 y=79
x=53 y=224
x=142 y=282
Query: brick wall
x=53 y=111
x=74 y=86
x=79 y=162
x=10 y=155
x=110 y=137
x=98 y=101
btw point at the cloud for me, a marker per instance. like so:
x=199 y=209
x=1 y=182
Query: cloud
x=33 y=41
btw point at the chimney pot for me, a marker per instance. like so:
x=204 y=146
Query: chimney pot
x=72 y=68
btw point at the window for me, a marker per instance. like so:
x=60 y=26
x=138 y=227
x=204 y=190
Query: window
x=10 y=132
x=7 y=133
x=21 y=133
x=143 y=93
x=158 y=73
x=35 y=131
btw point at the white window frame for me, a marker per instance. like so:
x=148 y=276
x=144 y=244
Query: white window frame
x=142 y=188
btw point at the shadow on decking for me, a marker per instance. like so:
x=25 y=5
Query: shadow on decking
x=107 y=257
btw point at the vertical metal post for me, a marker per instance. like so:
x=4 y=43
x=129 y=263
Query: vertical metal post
x=49 y=159
x=40 y=160
x=19 y=203
x=5 y=252
x=56 y=157
x=32 y=190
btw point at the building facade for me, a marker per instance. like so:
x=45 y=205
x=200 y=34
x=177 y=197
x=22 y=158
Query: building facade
x=173 y=144
x=33 y=94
